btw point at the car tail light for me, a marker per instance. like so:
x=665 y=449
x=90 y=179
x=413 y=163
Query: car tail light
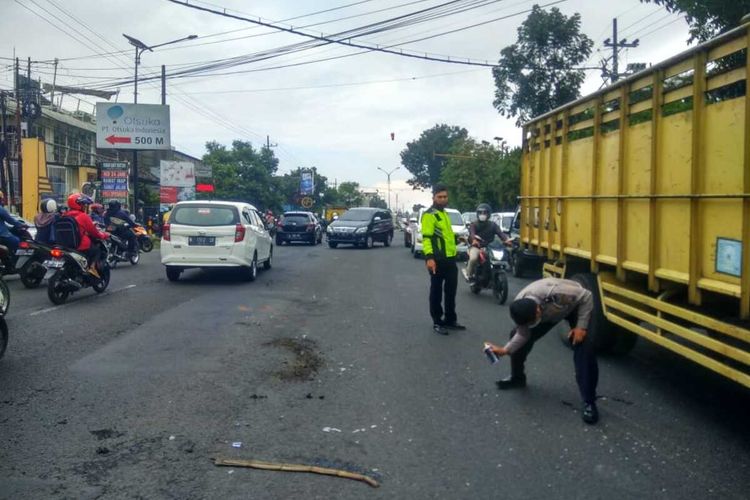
x=310 y=227
x=56 y=253
x=165 y=232
x=24 y=244
x=239 y=233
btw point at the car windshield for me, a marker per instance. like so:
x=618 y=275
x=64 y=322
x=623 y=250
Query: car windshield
x=296 y=218
x=470 y=216
x=205 y=215
x=507 y=221
x=456 y=219
x=357 y=215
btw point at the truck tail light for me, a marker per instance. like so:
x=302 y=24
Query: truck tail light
x=165 y=232
x=239 y=233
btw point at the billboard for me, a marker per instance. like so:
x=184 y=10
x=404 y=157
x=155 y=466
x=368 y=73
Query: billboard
x=114 y=178
x=177 y=174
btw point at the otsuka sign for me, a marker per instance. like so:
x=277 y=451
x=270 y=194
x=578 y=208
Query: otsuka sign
x=132 y=126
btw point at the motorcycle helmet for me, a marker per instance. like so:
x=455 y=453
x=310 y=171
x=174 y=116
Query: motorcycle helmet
x=97 y=208
x=483 y=212
x=48 y=206
x=114 y=206
x=78 y=201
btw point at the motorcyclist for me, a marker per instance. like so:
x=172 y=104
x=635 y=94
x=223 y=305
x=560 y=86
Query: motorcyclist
x=6 y=237
x=481 y=233
x=97 y=213
x=115 y=211
x=87 y=231
x=44 y=220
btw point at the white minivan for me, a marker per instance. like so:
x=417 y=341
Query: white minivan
x=215 y=234
x=459 y=229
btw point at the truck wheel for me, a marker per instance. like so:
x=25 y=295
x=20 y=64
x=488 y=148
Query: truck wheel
x=516 y=264
x=604 y=333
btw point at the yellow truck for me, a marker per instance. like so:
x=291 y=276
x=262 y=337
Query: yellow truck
x=641 y=191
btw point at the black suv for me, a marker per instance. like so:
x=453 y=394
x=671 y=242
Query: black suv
x=361 y=227
x=299 y=226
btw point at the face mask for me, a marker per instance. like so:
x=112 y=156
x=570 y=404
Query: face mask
x=482 y=217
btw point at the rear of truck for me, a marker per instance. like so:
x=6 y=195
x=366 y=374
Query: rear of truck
x=641 y=191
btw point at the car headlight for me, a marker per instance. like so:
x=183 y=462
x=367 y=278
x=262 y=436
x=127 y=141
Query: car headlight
x=329 y=229
x=361 y=230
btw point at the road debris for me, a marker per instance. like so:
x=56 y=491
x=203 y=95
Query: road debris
x=259 y=464
x=237 y=444
x=331 y=429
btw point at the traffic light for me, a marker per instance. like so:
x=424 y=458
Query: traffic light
x=393 y=136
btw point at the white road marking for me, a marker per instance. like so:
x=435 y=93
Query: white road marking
x=50 y=309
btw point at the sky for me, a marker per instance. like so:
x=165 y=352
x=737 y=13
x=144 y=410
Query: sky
x=336 y=114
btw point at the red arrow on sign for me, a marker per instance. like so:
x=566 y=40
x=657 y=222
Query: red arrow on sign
x=113 y=139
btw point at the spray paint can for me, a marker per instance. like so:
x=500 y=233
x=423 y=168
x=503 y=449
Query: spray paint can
x=490 y=355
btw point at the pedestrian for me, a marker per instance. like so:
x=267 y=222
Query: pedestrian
x=7 y=238
x=439 y=248
x=535 y=311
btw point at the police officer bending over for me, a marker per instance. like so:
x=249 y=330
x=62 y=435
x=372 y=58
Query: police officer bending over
x=439 y=247
x=535 y=311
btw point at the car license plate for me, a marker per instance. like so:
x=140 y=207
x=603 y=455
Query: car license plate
x=53 y=264
x=202 y=241
x=294 y=236
x=24 y=252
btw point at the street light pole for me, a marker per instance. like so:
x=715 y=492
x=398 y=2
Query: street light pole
x=388 y=174
x=140 y=48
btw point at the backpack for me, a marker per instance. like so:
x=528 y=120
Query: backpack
x=65 y=231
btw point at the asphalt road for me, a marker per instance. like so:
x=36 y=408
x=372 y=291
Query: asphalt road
x=329 y=359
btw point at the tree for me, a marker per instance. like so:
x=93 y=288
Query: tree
x=419 y=156
x=240 y=174
x=487 y=175
x=349 y=194
x=377 y=202
x=537 y=73
x=707 y=18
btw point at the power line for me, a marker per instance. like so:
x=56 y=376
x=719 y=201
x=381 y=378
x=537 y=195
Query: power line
x=338 y=41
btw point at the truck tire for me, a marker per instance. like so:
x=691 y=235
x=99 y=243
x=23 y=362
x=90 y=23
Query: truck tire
x=516 y=264
x=603 y=331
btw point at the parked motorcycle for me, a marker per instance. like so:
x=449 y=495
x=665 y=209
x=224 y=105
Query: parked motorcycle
x=67 y=273
x=491 y=271
x=144 y=240
x=28 y=260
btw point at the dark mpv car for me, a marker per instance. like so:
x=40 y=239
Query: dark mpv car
x=299 y=226
x=361 y=227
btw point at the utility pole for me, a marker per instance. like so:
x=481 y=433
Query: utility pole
x=617 y=45
x=54 y=81
x=10 y=193
x=268 y=143
x=163 y=85
x=3 y=145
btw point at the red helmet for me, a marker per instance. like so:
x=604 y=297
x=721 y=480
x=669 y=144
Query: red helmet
x=77 y=201
x=97 y=208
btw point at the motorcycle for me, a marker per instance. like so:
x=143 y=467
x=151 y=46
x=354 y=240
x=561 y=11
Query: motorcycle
x=4 y=303
x=117 y=249
x=144 y=240
x=491 y=272
x=28 y=261
x=67 y=273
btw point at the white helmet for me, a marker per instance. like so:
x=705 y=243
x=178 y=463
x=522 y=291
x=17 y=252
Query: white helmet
x=49 y=206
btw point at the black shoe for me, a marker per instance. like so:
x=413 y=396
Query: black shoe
x=439 y=329
x=512 y=382
x=590 y=414
x=454 y=326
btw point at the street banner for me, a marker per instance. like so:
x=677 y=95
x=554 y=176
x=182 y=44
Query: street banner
x=132 y=126
x=177 y=174
x=203 y=171
x=307 y=183
x=114 y=179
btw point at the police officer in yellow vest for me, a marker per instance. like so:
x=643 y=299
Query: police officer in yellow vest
x=439 y=247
